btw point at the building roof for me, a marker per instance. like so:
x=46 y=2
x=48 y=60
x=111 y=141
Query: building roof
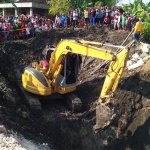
x=25 y=5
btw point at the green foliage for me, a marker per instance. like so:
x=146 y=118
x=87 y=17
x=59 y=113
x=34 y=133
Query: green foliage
x=64 y=6
x=110 y=2
x=14 y=5
x=139 y=9
x=98 y=4
x=146 y=30
x=80 y=4
x=59 y=6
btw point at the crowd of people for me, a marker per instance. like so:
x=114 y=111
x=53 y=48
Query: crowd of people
x=97 y=16
x=26 y=26
x=23 y=26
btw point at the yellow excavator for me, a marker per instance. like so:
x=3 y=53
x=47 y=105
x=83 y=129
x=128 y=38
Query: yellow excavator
x=60 y=77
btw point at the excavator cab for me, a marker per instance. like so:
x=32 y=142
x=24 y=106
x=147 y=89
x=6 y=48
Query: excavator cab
x=69 y=73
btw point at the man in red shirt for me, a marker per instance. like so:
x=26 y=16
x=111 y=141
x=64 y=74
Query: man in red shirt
x=129 y=22
x=23 y=30
x=106 y=20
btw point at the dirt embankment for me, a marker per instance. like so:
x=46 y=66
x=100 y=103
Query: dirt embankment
x=57 y=126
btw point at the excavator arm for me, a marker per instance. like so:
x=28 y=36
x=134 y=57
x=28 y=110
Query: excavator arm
x=93 y=49
x=55 y=80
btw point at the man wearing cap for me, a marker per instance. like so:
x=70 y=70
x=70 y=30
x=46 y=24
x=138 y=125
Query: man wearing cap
x=137 y=30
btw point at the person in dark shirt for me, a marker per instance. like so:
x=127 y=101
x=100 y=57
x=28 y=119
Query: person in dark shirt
x=92 y=16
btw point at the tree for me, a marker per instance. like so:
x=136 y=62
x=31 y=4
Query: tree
x=138 y=8
x=64 y=6
x=80 y=4
x=59 y=6
x=98 y=4
x=106 y=2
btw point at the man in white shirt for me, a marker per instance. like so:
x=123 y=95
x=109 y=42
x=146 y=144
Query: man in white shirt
x=118 y=21
x=75 y=18
x=43 y=27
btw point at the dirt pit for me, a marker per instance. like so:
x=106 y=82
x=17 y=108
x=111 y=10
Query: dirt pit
x=57 y=125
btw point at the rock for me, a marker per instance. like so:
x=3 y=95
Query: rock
x=147 y=147
x=5 y=89
x=9 y=90
x=138 y=48
x=1 y=84
x=138 y=106
x=2 y=129
x=146 y=102
x=25 y=114
x=128 y=148
x=10 y=98
x=146 y=58
x=144 y=54
x=145 y=47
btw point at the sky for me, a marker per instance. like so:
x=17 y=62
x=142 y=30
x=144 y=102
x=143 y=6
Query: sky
x=131 y=1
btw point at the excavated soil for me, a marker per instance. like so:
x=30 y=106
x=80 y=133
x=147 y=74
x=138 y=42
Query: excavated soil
x=57 y=125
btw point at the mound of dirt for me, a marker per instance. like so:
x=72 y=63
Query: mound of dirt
x=58 y=126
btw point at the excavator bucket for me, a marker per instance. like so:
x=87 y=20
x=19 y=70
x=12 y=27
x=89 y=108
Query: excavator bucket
x=105 y=114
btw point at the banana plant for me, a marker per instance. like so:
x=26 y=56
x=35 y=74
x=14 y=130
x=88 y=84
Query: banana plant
x=146 y=30
x=137 y=7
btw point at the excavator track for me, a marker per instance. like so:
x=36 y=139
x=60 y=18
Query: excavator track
x=30 y=99
x=33 y=101
x=73 y=102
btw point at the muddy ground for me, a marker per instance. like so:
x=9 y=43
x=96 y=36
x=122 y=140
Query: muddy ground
x=57 y=125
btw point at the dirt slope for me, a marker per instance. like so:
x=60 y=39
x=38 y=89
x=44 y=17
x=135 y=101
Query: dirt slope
x=57 y=126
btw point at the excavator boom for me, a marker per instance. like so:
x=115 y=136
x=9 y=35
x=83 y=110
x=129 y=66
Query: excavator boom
x=93 y=49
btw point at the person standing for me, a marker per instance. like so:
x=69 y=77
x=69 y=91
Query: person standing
x=63 y=20
x=116 y=16
x=92 y=16
x=27 y=31
x=119 y=21
x=124 y=20
x=23 y=30
x=71 y=18
x=86 y=16
x=137 y=30
x=112 y=14
x=98 y=17
x=75 y=18
x=129 y=22
x=57 y=21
